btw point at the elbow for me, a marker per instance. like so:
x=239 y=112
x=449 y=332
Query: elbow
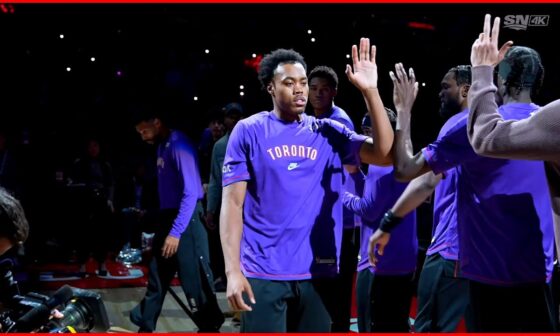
x=430 y=186
x=402 y=171
x=479 y=150
x=401 y=175
x=387 y=153
x=479 y=146
x=385 y=161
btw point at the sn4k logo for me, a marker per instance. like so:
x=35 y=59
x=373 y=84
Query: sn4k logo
x=521 y=22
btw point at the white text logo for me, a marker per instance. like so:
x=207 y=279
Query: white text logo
x=293 y=165
x=521 y=22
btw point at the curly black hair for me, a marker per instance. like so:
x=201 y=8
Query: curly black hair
x=463 y=74
x=271 y=61
x=324 y=72
x=522 y=68
x=13 y=223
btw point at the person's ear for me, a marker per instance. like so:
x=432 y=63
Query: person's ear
x=157 y=122
x=465 y=90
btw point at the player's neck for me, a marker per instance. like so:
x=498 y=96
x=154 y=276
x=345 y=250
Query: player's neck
x=524 y=96
x=286 y=116
x=164 y=133
x=321 y=112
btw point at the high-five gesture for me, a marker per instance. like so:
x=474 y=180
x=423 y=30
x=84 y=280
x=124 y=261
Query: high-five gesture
x=405 y=89
x=485 y=49
x=364 y=74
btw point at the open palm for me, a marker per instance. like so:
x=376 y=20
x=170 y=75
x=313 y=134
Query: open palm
x=405 y=88
x=363 y=74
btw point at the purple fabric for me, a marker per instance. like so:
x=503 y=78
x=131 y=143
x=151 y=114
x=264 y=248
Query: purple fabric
x=381 y=191
x=503 y=208
x=445 y=239
x=293 y=209
x=179 y=183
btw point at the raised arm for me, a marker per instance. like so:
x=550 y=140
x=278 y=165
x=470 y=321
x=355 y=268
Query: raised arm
x=405 y=88
x=535 y=138
x=363 y=75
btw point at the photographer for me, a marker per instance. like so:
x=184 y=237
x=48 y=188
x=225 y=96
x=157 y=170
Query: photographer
x=14 y=228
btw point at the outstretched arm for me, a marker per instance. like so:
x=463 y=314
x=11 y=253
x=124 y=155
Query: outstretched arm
x=534 y=138
x=363 y=75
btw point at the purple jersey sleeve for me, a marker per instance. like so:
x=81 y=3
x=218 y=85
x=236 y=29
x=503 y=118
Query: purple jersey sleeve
x=236 y=161
x=347 y=141
x=184 y=158
x=362 y=207
x=450 y=149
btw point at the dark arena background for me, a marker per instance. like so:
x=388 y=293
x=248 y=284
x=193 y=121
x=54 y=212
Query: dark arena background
x=70 y=72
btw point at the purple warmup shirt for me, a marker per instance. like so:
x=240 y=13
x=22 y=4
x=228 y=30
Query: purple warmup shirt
x=445 y=239
x=338 y=114
x=381 y=191
x=179 y=184
x=503 y=209
x=293 y=210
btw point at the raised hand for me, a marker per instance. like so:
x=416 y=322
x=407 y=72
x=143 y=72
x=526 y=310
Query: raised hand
x=484 y=50
x=364 y=72
x=405 y=89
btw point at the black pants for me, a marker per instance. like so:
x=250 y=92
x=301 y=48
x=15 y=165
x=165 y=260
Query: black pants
x=527 y=308
x=216 y=252
x=337 y=292
x=192 y=264
x=443 y=296
x=383 y=302
x=556 y=290
x=364 y=282
x=285 y=306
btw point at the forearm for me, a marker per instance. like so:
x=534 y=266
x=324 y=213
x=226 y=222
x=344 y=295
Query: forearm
x=381 y=126
x=357 y=205
x=535 y=138
x=415 y=193
x=407 y=166
x=186 y=210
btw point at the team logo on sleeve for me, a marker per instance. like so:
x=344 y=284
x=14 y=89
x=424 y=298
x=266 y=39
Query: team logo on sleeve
x=160 y=163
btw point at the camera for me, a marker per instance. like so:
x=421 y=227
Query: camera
x=83 y=310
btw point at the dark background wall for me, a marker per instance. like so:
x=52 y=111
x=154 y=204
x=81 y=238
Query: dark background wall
x=159 y=51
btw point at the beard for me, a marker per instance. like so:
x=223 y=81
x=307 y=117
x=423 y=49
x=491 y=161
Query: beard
x=449 y=108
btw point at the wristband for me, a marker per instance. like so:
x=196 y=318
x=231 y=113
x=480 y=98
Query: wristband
x=389 y=222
